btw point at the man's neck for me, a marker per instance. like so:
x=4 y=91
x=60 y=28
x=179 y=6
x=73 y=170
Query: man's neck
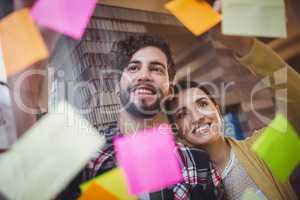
x=129 y=124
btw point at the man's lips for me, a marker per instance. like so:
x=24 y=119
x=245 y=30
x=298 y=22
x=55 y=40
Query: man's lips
x=144 y=90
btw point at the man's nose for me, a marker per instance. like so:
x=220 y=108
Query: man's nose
x=144 y=75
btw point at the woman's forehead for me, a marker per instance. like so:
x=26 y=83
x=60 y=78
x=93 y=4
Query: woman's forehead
x=187 y=97
x=190 y=95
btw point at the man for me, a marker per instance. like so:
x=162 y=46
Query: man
x=145 y=68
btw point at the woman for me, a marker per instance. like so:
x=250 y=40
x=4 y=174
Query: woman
x=199 y=122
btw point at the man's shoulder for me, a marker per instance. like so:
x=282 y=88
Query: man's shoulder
x=110 y=132
x=193 y=156
x=104 y=159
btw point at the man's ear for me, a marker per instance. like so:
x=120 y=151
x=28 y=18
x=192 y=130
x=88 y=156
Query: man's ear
x=171 y=89
x=117 y=90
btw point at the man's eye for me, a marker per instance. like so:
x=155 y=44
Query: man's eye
x=157 y=69
x=132 y=68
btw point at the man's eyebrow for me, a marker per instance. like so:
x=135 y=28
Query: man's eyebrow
x=134 y=62
x=158 y=63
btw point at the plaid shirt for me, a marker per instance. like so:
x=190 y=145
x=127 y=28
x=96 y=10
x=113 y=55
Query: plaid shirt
x=201 y=180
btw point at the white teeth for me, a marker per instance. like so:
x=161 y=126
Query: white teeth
x=203 y=129
x=144 y=91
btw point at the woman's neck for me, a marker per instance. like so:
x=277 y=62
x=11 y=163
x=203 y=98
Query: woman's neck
x=219 y=152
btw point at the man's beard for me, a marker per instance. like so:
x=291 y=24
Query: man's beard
x=142 y=110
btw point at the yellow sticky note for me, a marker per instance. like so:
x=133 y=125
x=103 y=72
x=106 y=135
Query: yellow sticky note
x=279 y=147
x=95 y=191
x=114 y=182
x=197 y=15
x=22 y=43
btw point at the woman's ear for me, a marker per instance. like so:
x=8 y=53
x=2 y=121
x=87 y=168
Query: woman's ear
x=221 y=118
x=219 y=111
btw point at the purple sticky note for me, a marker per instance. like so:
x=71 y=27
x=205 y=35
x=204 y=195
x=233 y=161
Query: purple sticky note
x=69 y=17
x=149 y=159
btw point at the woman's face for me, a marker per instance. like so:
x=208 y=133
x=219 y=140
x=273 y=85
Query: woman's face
x=198 y=118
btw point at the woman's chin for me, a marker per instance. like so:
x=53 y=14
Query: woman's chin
x=200 y=140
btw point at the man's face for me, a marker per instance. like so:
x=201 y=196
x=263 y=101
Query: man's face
x=197 y=117
x=144 y=82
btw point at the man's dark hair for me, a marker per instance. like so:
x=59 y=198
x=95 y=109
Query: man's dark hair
x=123 y=50
x=181 y=86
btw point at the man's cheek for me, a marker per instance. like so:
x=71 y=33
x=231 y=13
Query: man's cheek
x=184 y=126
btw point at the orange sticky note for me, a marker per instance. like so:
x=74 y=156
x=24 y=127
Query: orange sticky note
x=95 y=191
x=197 y=15
x=22 y=43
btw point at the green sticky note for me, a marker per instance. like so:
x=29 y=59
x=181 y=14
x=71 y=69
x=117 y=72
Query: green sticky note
x=114 y=182
x=279 y=147
x=263 y=18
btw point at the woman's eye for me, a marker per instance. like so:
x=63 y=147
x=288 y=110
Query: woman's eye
x=202 y=104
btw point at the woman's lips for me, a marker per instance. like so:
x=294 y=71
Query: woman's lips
x=202 y=130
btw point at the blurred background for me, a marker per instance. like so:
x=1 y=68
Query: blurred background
x=87 y=62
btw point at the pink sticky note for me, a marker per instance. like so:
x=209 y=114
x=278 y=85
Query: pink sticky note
x=66 y=16
x=149 y=159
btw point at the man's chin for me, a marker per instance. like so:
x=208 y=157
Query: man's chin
x=142 y=110
x=146 y=105
x=141 y=106
x=145 y=100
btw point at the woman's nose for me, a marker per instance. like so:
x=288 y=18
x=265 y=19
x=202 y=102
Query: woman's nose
x=197 y=115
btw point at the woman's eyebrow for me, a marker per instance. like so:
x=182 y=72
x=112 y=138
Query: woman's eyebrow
x=201 y=98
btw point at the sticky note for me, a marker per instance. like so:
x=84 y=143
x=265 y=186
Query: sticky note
x=8 y=134
x=3 y=76
x=149 y=160
x=279 y=147
x=95 y=191
x=22 y=44
x=197 y=15
x=263 y=18
x=114 y=182
x=48 y=156
x=69 y=17
x=250 y=194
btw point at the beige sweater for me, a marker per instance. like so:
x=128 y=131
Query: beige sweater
x=258 y=170
x=262 y=61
